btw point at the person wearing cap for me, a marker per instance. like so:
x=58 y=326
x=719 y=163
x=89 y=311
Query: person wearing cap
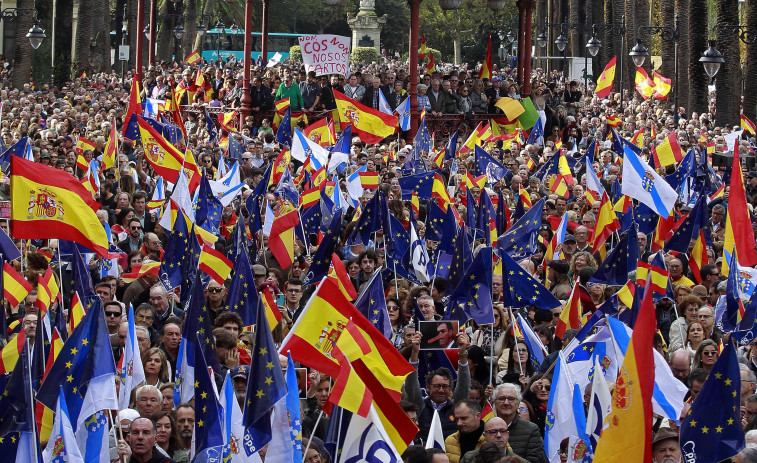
x=239 y=377
x=260 y=274
x=569 y=246
x=665 y=448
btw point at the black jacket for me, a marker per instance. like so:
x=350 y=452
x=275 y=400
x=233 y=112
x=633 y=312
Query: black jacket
x=261 y=98
x=368 y=98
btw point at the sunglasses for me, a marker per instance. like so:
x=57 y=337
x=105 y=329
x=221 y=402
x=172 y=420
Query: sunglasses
x=215 y=290
x=112 y=314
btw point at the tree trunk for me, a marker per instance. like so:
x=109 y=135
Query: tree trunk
x=750 y=76
x=207 y=9
x=728 y=82
x=190 y=29
x=631 y=35
x=83 y=39
x=22 y=66
x=594 y=15
x=101 y=28
x=696 y=27
x=165 y=34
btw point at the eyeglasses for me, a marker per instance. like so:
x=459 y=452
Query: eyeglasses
x=506 y=399
x=112 y=314
x=438 y=387
x=494 y=432
x=543 y=387
x=136 y=228
x=294 y=290
x=709 y=353
x=392 y=308
x=704 y=316
x=215 y=290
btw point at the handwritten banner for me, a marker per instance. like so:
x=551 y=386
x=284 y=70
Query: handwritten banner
x=326 y=54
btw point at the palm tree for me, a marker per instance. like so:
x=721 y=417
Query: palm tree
x=22 y=66
x=83 y=39
x=101 y=27
x=728 y=82
x=684 y=31
x=667 y=14
x=190 y=28
x=697 y=26
x=750 y=76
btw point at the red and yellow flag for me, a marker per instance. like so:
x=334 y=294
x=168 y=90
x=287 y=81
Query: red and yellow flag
x=75 y=313
x=606 y=79
x=571 y=317
x=339 y=276
x=628 y=427
x=46 y=205
x=15 y=287
x=151 y=268
x=272 y=312
x=486 y=66
x=215 y=264
x=430 y=66
x=321 y=132
x=607 y=222
x=111 y=148
x=165 y=158
x=698 y=257
x=369 y=180
x=47 y=291
x=747 y=125
x=644 y=85
x=668 y=152
x=11 y=351
x=281 y=240
x=422 y=50
x=82 y=144
x=370 y=124
x=193 y=57
x=661 y=86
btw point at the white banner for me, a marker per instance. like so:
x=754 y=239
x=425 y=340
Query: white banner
x=326 y=54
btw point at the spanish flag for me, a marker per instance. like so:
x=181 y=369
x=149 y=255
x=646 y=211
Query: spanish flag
x=430 y=66
x=422 y=50
x=747 y=125
x=150 y=268
x=272 y=312
x=628 y=427
x=571 y=317
x=82 y=144
x=486 y=66
x=193 y=58
x=9 y=354
x=45 y=205
x=44 y=415
x=369 y=180
x=165 y=158
x=668 y=152
x=638 y=138
x=215 y=264
x=661 y=86
x=657 y=276
x=225 y=119
x=47 y=291
x=482 y=133
x=111 y=148
x=698 y=257
x=370 y=124
x=607 y=222
x=739 y=235
x=338 y=274
x=75 y=313
x=313 y=336
x=644 y=85
x=605 y=81
x=321 y=132
x=310 y=197
x=15 y=287
x=281 y=240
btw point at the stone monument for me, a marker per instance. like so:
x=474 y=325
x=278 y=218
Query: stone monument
x=366 y=26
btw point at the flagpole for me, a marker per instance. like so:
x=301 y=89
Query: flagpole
x=517 y=349
x=491 y=356
x=436 y=267
x=394 y=261
x=304 y=235
x=307 y=447
x=35 y=437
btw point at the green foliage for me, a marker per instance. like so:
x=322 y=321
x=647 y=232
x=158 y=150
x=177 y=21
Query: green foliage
x=438 y=56
x=295 y=54
x=364 y=55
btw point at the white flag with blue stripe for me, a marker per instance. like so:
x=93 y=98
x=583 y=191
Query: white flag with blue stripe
x=600 y=405
x=560 y=423
x=62 y=444
x=419 y=255
x=383 y=104
x=435 y=435
x=641 y=182
x=229 y=187
x=403 y=111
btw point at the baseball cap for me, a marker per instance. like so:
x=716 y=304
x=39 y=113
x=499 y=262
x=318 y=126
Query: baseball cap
x=569 y=237
x=242 y=371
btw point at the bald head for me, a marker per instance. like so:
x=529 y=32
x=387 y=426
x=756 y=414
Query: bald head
x=680 y=365
x=495 y=430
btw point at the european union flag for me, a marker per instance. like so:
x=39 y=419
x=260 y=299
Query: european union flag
x=236 y=149
x=397 y=241
x=174 y=264
x=502 y=212
x=310 y=221
x=646 y=219
x=197 y=329
x=82 y=280
x=8 y=248
x=450 y=150
x=18 y=148
x=208 y=434
x=462 y=257
x=284 y=131
x=243 y=298
x=520 y=240
x=372 y=303
x=524 y=290
x=486 y=165
x=265 y=387
x=19 y=441
x=286 y=188
x=620 y=261
x=698 y=219
x=536 y=137
x=321 y=263
x=210 y=125
x=423 y=137
x=414 y=163
x=686 y=171
x=208 y=208
x=422 y=184
x=372 y=219
x=473 y=296
x=435 y=222
x=192 y=262
x=85 y=370
x=711 y=431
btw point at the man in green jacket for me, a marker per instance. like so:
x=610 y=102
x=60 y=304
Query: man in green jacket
x=291 y=91
x=525 y=439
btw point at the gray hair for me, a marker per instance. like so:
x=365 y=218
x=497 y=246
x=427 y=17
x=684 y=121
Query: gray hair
x=749 y=454
x=514 y=387
x=718 y=208
x=148 y=388
x=143 y=329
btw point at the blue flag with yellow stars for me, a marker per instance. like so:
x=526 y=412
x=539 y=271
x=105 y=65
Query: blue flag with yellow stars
x=397 y=241
x=524 y=290
x=176 y=256
x=372 y=303
x=698 y=219
x=236 y=149
x=473 y=296
x=310 y=222
x=265 y=387
x=208 y=208
x=520 y=240
x=421 y=183
x=487 y=165
x=620 y=261
x=435 y=222
x=85 y=369
x=450 y=149
x=711 y=431
x=208 y=434
x=210 y=125
x=322 y=257
x=16 y=414
x=190 y=277
x=372 y=219
x=502 y=212
x=423 y=137
x=461 y=260
x=646 y=219
x=685 y=173
x=82 y=280
x=284 y=131
x=243 y=298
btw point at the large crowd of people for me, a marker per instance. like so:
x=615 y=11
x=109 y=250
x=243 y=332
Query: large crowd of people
x=491 y=396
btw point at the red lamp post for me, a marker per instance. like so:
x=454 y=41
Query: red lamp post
x=264 y=32
x=139 y=38
x=153 y=31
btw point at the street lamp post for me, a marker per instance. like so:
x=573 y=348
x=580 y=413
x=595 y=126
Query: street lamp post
x=124 y=34
x=667 y=34
x=746 y=35
x=152 y=29
x=139 y=41
x=712 y=59
x=220 y=27
x=594 y=44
